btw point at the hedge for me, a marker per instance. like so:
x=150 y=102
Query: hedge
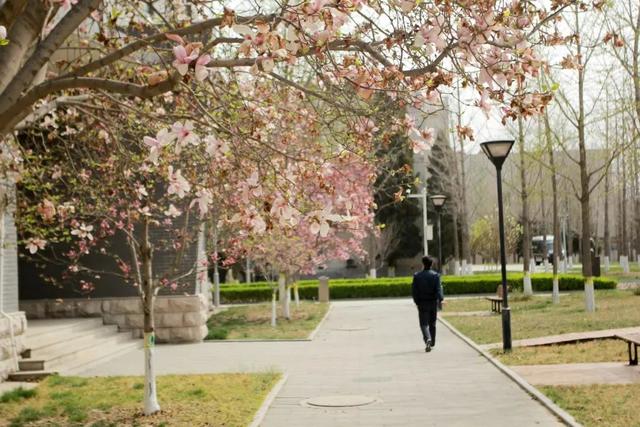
x=401 y=287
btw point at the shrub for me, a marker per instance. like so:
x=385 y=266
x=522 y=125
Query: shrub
x=401 y=287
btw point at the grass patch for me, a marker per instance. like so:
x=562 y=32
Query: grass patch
x=254 y=322
x=216 y=400
x=537 y=317
x=585 y=352
x=598 y=405
x=17 y=395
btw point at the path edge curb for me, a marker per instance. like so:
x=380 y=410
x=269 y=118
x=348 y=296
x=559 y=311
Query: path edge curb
x=258 y=418
x=563 y=415
x=313 y=333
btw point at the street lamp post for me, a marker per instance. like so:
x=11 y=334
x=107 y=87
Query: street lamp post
x=425 y=226
x=497 y=152
x=438 y=202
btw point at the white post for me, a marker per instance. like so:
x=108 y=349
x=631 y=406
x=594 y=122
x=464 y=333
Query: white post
x=296 y=295
x=607 y=264
x=456 y=268
x=248 y=270
x=545 y=264
x=273 y=308
x=624 y=263
x=373 y=273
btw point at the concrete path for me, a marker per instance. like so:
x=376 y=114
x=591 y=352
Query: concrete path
x=567 y=338
x=579 y=373
x=370 y=348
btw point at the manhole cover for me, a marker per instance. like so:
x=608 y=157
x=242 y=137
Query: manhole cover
x=351 y=329
x=339 y=401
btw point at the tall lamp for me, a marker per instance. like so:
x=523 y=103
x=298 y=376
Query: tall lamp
x=497 y=152
x=438 y=202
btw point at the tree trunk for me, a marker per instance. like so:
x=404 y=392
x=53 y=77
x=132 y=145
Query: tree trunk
x=636 y=192
x=216 y=272
x=556 y=220
x=464 y=215
x=151 y=405
x=282 y=290
x=526 y=235
x=274 y=311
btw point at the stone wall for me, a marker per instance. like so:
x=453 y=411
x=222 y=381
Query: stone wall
x=19 y=322
x=178 y=318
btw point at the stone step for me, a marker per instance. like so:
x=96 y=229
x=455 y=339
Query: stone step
x=68 y=340
x=40 y=327
x=31 y=365
x=30 y=376
x=96 y=350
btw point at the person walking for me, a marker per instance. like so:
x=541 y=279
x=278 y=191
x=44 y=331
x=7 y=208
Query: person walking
x=426 y=290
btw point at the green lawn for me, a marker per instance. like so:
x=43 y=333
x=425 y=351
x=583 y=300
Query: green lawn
x=254 y=322
x=585 y=352
x=215 y=400
x=537 y=316
x=599 y=405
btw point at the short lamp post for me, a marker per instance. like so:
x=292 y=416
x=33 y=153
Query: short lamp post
x=497 y=152
x=438 y=202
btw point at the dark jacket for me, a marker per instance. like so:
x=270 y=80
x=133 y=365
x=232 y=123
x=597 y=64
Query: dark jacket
x=426 y=287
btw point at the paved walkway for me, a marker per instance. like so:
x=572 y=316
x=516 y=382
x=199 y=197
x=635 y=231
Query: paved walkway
x=566 y=338
x=368 y=348
x=579 y=373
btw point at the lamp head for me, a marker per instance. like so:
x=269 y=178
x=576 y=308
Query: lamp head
x=497 y=151
x=438 y=200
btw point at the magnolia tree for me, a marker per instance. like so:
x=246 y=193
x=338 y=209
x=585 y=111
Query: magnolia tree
x=332 y=209
x=219 y=58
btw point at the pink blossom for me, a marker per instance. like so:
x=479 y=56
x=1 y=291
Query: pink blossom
x=162 y=139
x=183 y=59
x=183 y=132
x=202 y=71
x=484 y=103
x=177 y=183
x=421 y=140
x=83 y=231
x=35 y=244
x=47 y=210
x=172 y=211
x=3 y=33
x=203 y=199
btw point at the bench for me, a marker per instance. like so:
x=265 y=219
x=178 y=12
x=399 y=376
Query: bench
x=496 y=304
x=633 y=340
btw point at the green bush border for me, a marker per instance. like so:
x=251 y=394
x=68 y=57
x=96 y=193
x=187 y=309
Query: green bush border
x=401 y=287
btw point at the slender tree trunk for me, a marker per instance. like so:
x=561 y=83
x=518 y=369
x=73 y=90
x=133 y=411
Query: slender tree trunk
x=636 y=192
x=464 y=213
x=282 y=290
x=526 y=235
x=151 y=405
x=274 y=311
x=585 y=194
x=456 y=244
x=216 y=272
x=556 y=222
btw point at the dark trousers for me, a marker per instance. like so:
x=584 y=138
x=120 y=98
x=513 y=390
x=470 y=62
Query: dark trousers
x=428 y=315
